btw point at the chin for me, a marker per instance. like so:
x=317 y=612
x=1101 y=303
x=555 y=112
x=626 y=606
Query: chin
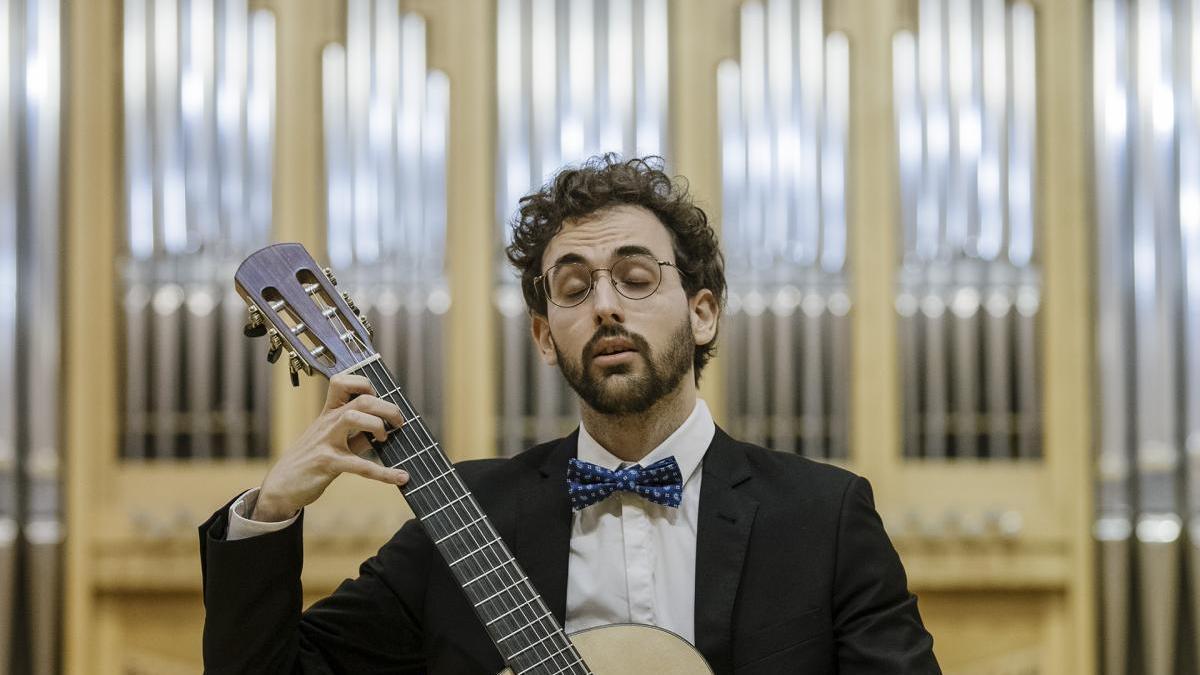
x=624 y=396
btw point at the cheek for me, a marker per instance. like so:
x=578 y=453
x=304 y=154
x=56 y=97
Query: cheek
x=569 y=330
x=659 y=321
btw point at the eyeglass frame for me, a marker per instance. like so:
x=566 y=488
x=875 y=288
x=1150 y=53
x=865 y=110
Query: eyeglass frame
x=540 y=280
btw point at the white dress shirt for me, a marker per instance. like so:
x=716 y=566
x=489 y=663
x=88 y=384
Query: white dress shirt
x=634 y=561
x=631 y=561
x=240 y=525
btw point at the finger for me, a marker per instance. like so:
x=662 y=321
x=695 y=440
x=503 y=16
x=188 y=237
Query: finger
x=360 y=444
x=351 y=422
x=344 y=387
x=378 y=407
x=368 y=469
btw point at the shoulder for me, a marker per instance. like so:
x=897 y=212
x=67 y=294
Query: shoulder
x=796 y=493
x=505 y=470
x=503 y=486
x=788 y=475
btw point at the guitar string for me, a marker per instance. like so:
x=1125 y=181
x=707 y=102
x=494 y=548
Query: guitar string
x=475 y=545
x=419 y=449
x=519 y=617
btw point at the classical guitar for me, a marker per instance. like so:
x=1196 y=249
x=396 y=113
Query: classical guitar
x=293 y=302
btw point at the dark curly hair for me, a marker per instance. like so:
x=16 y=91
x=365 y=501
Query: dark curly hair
x=605 y=181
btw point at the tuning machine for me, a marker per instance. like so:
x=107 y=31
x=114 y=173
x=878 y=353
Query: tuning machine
x=329 y=275
x=276 y=347
x=255 y=325
x=297 y=365
x=366 y=323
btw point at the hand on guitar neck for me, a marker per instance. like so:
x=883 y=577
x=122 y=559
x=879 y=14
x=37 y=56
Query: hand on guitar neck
x=332 y=445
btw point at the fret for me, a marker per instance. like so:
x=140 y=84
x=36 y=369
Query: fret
x=362 y=364
x=561 y=650
x=534 y=598
x=480 y=519
x=490 y=543
x=531 y=645
x=414 y=455
x=445 y=473
x=445 y=506
x=390 y=392
x=506 y=562
x=511 y=586
x=531 y=623
x=576 y=662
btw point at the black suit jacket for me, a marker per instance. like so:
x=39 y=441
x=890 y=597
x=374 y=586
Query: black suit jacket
x=794 y=574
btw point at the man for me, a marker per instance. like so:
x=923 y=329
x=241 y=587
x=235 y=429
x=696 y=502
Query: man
x=765 y=561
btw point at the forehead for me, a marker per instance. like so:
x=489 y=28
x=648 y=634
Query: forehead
x=597 y=237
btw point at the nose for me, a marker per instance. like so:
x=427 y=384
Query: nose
x=606 y=302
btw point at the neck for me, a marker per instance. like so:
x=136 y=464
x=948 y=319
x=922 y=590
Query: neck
x=631 y=436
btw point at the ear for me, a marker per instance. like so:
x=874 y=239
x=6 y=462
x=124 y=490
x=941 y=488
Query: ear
x=704 y=313
x=539 y=326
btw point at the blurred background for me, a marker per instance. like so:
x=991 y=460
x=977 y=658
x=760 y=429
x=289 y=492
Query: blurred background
x=962 y=243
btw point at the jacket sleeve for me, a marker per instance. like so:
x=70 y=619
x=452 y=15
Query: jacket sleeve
x=877 y=625
x=253 y=598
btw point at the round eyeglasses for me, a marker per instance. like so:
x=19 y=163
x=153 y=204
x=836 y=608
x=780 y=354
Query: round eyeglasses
x=635 y=276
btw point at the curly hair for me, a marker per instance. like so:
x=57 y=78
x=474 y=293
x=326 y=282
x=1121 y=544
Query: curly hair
x=605 y=181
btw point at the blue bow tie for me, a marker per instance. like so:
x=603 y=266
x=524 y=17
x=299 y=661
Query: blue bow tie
x=661 y=482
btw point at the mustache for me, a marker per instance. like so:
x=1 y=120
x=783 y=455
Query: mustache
x=613 y=331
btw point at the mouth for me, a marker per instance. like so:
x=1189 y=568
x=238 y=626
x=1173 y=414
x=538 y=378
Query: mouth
x=614 y=358
x=612 y=352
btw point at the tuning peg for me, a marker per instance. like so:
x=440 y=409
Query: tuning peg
x=294 y=367
x=276 y=346
x=255 y=327
x=332 y=278
x=353 y=307
x=367 y=324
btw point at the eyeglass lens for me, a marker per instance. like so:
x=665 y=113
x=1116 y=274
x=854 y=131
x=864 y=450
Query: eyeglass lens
x=635 y=277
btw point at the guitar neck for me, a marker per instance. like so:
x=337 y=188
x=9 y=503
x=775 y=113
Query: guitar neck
x=520 y=624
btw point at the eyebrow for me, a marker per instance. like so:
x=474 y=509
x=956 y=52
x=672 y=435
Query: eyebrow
x=628 y=249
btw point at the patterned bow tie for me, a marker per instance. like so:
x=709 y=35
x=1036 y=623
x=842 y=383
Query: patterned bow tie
x=661 y=482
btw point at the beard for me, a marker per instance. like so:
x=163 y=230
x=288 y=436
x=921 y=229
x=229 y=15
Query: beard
x=620 y=389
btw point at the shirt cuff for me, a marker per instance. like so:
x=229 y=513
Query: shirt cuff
x=240 y=525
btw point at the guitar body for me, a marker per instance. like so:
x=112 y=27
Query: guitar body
x=635 y=648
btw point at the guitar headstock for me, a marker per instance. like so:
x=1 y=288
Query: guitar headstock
x=320 y=328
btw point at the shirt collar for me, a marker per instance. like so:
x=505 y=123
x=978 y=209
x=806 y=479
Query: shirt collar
x=687 y=444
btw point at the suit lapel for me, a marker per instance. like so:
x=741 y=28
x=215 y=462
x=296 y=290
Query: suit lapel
x=543 y=541
x=544 y=528
x=726 y=517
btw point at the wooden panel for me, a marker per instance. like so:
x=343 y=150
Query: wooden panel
x=92 y=190
x=702 y=34
x=987 y=633
x=159 y=633
x=462 y=43
x=1063 y=41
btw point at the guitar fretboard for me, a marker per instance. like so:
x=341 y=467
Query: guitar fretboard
x=520 y=624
